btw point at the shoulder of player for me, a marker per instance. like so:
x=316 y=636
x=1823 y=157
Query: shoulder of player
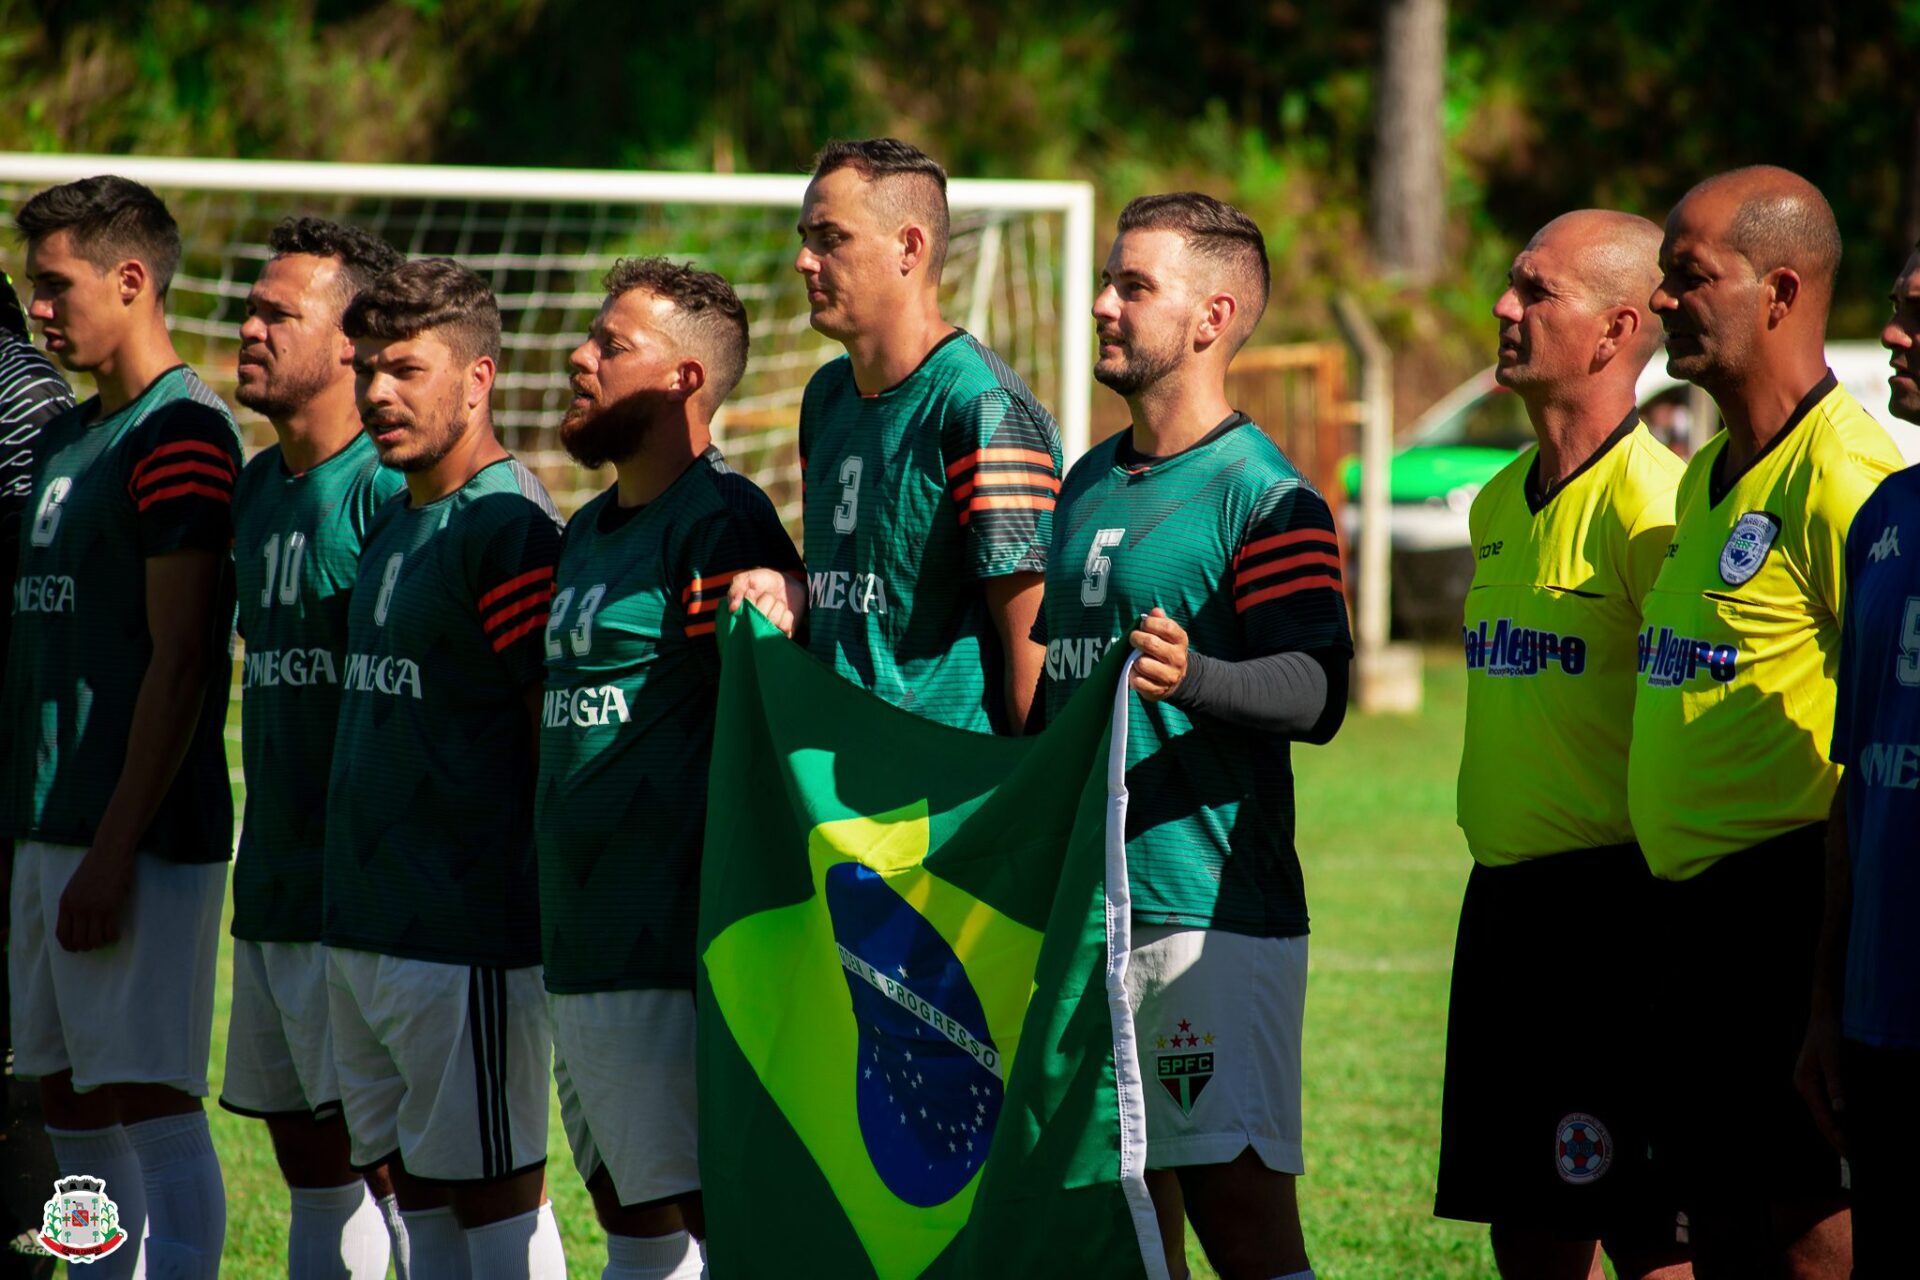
x=1646 y=475
x=510 y=478
x=261 y=467
x=1845 y=444
x=1091 y=465
x=971 y=370
x=186 y=417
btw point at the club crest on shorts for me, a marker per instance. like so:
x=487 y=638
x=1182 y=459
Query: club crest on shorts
x=1583 y=1149
x=81 y=1224
x=1187 y=1066
x=1747 y=546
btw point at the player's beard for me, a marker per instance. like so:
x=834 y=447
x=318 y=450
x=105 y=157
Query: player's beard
x=610 y=432
x=430 y=446
x=283 y=391
x=1137 y=368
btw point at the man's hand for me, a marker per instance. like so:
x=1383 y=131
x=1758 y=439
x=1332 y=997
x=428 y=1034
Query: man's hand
x=782 y=598
x=1817 y=1076
x=94 y=898
x=1162 y=643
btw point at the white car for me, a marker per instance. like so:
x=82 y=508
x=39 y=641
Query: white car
x=1475 y=429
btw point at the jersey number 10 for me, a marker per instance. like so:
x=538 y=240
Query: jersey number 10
x=283 y=562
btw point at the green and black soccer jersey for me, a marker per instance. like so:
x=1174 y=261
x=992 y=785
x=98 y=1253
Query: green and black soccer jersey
x=1239 y=549
x=109 y=494
x=296 y=547
x=627 y=723
x=914 y=497
x=430 y=806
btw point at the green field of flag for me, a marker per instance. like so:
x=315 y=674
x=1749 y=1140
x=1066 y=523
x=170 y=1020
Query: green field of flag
x=915 y=1055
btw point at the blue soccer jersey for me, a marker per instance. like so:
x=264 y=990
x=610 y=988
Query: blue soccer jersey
x=1876 y=737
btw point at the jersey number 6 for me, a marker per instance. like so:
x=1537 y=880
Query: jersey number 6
x=48 y=519
x=1093 y=586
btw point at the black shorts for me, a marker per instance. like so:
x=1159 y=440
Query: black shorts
x=1544 y=1122
x=1738 y=942
x=1886 y=1178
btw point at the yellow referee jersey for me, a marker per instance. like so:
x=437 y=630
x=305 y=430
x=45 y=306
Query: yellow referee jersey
x=1733 y=713
x=1551 y=626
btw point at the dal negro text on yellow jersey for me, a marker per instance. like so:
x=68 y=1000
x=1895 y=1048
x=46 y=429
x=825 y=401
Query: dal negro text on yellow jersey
x=1733 y=715
x=1552 y=621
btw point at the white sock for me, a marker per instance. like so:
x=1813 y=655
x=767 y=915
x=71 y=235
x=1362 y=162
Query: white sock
x=400 y=1248
x=186 y=1197
x=673 y=1257
x=107 y=1155
x=522 y=1248
x=436 y=1246
x=335 y=1233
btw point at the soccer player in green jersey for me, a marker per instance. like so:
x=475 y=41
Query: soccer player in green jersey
x=1729 y=775
x=431 y=921
x=626 y=732
x=930 y=469
x=1568 y=536
x=300 y=514
x=1192 y=536
x=116 y=784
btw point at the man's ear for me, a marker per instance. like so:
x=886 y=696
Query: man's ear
x=1785 y=286
x=133 y=279
x=480 y=381
x=913 y=248
x=1217 y=318
x=688 y=377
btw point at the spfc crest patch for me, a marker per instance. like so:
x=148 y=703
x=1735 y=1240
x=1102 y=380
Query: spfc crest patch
x=1583 y=1149
x=1747 y=547
x=1185 y=1072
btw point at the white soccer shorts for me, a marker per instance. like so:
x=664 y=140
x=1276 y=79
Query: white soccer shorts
x=444 y=1065
x=279 y=1042
x=137 y=1012
x=1218 y=1017
x=623 y=1061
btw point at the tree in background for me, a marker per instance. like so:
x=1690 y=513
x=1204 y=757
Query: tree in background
x=1409 y=197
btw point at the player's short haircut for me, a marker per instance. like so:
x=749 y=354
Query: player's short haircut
x=907 y=184
x=363 y=256
x=1782 y=221
x=708 y=315
x=1218 y=233
x=110 y=220
x=436 y=294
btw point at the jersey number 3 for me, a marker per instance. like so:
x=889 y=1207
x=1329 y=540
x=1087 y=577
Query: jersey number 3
x=847 y=514
x=1093 y=583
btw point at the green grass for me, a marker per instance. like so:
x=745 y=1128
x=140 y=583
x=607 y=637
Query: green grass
x=1384 y=865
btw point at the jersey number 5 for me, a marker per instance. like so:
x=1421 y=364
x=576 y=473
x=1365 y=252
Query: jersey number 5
x=1093 y=584
x=48 y=518
x=1907 y=670
x=847 y=514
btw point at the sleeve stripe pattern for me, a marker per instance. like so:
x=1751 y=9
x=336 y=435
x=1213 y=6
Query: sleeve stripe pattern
x=525 y=598
x=1284 y=564
x=1003 y=479
x=702 y=596
x=179 y=469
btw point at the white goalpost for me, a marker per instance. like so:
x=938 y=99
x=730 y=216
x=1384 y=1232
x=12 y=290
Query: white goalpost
x=1019 y=275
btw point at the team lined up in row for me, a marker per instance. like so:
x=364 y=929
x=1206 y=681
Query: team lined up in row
x=476 y=744
x=1729 y=634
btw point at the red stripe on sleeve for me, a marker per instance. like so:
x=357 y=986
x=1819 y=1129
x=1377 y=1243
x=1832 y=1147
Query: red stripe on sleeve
x=1298 y=560
x=1033 y=456
x=189 y=488
x=512 y=585
x=1278 y=540
x=532 y=600
x=700 y=629
x=1315 y=582
x=177 y=448
x=534 y=623
x=192 y=466
x=700 y=586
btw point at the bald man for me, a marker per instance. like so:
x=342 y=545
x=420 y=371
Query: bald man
x=1544 y=1127
x=1730 y=776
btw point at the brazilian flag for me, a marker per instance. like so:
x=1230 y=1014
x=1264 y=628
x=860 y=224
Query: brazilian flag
x=915 y=1052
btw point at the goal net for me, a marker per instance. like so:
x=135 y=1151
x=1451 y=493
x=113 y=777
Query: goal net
x=1019 y=275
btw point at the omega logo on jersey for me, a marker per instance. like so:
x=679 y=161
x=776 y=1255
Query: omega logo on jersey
x=841 y=589
x=1891 y=764
x=265 y=668
x=44 y=593
x=1076 y=659
x=368 y=673
x=1522 y=651
x=587 y=708
x=1669 y=661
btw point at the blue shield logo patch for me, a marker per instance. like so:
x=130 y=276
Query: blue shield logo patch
x=1747 y=547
